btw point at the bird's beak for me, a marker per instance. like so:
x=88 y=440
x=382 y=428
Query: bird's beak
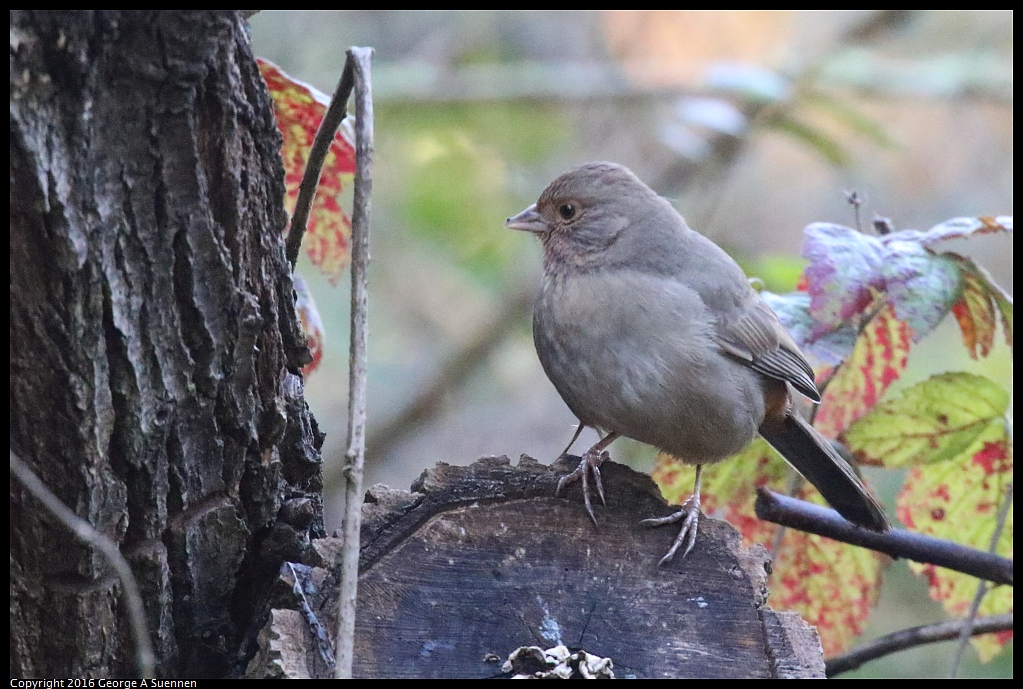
x=528 y=220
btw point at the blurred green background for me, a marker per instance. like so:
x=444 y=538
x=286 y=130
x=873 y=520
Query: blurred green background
x=754 y=123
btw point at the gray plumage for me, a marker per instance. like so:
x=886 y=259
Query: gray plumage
x=649 y=330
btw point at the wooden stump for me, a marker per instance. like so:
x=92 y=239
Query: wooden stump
x=478 y=561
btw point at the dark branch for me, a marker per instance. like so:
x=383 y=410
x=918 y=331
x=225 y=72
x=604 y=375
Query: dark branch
x=910 y=638
x=822 y=521
x=332 y=119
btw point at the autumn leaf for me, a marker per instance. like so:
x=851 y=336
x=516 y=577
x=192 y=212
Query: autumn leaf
x=932 y=421
x=831 y=584
x=951 y=430
x=951 y=423
x=829 y=349
x=976 y=315
x=843 y=274
x=920 y=285
x=979 y=307
x=1004 y=304
x=729 y=487
x=960 y=228
x=959 y=500
x=850 y=271
x=312 y=326
x=299 y=108
x=877 y=361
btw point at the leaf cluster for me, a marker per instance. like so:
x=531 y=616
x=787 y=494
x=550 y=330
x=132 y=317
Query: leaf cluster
x=864 y=302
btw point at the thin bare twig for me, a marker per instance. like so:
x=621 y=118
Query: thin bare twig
x=910 y=638
x=854 y=199
x=982 y=586
x=336 y=113
x=355 y=457
x=144 y=656
x=322 y=637
x=810 y=518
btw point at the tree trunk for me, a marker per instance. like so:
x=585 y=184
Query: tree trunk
x=155 y=351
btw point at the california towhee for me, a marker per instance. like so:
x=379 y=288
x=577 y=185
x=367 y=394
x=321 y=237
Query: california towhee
x=651 y=331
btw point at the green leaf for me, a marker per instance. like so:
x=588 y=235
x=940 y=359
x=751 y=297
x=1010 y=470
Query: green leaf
x=780 y=272
x=816 y=139
x=932 y=421
x=851 y=117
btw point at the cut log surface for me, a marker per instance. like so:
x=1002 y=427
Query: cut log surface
x=480 y=560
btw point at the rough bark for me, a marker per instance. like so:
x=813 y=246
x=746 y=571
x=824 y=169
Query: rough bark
x=155 y=351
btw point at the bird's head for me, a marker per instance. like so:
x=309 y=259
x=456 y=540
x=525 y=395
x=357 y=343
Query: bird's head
x=593 y=215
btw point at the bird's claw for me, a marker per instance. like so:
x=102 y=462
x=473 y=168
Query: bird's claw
x=689 y=515
x=589 y=464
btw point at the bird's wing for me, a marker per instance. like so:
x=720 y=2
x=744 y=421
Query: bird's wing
x=756 y=336
x=745 y=326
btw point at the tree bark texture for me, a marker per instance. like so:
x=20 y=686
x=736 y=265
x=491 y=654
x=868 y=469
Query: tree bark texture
x=155 y=350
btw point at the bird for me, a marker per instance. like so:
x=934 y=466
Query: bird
x=649 y=330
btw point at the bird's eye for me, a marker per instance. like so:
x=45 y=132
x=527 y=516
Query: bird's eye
x=567 y=211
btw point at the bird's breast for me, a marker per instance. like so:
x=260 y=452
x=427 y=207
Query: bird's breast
x=635 y=354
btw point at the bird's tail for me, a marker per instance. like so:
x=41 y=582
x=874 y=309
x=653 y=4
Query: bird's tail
x=813 y=456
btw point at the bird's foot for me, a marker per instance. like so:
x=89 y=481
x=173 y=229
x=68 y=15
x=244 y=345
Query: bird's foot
x=589 y=465
x=689 y=515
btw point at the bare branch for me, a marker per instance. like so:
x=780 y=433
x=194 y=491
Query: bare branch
x=822 y=521
x=144 y=657
x=910 y=638
x=336 y=113
x=359 y=62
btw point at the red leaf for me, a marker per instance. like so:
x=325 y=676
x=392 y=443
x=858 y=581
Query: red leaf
x=877 y=361
x=299 y=108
